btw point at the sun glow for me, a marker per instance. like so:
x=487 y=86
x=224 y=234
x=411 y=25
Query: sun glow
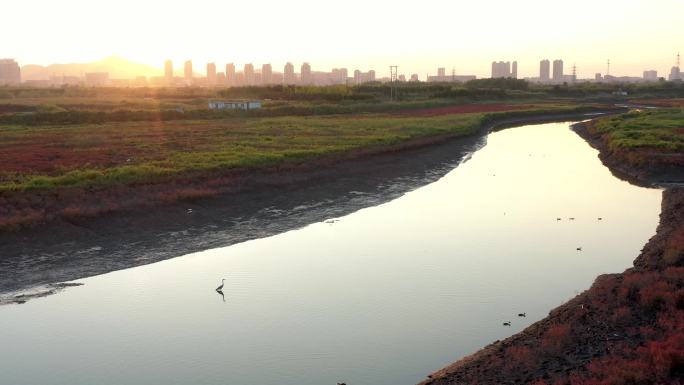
x=420 y=36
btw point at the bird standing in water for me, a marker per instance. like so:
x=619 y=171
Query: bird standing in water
x=220 y=287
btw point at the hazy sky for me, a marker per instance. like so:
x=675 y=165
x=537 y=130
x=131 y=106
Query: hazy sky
x=418 y=36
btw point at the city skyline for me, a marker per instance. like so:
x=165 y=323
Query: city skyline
x=464 y=35
x=169 y=68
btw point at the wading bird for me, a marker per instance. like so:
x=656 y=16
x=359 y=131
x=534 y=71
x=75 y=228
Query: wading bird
x=220 y=287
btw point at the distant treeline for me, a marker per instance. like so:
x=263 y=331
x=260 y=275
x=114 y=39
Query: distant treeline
x=476 y=89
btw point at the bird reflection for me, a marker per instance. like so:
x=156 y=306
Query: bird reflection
x=223 y=297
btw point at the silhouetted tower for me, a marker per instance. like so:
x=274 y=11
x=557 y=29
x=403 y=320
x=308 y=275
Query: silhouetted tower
x=677 y=64
x=608 y=69
x=574 y=72
x=393 y=81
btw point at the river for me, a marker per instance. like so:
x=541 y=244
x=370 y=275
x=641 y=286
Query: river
x=383 y=295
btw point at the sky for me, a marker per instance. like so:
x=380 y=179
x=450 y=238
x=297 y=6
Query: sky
x=463 y=35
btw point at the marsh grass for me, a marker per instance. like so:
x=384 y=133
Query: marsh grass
x=658 y=129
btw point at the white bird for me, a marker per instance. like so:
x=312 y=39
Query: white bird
x=220 y=287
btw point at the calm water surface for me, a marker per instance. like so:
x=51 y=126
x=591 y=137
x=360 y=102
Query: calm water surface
x=383 y=296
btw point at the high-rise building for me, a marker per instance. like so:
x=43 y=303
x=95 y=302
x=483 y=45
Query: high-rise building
x=414 y=78
x=371 y=75
x=220 y=79
x=168 y=70
x=514 y=70
x=187 y=72
x=544 y=70
x=230 y=75
x=675 y=72
x=501 y=69
x=211 y=74
x=266 y=74
x=289 y=74
x=306 y=74
x=10 y=73
x=249 y=74
x=558 y=71
x=651 y=76
x=441 y=72
x=339 y=75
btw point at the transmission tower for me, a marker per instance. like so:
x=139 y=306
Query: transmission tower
x=608 y=70
x=393 y=82
x=574 y=72
x=677 y=59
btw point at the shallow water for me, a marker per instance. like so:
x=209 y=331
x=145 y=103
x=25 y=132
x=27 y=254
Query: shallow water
x=383 y=296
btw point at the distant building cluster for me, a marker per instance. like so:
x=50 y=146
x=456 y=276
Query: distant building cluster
x=442 y=77
x=10 y=73
x=504 y=69
x=249 y=75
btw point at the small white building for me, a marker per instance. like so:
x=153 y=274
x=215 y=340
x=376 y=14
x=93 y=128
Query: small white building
x=235 y=105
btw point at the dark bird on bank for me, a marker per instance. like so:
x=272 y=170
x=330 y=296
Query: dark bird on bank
x=507 y=323
x=221 y=287
x=522 y=314
x=579 y=249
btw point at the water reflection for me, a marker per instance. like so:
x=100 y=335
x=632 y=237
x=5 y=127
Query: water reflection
x=382 y=296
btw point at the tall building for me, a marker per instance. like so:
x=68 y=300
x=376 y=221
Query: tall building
x=266 y=74
x=441 y=72
x=306 y=74
x=501 y=69
x=339 y=75
x=514 y=70
x=675 y=73
x=371 y=75
x=230 y=75
x=544 y=70
x=289 y=77
x=651 y=76
x=187 y=72
x=249 y=74
x=168 y=70
x=211 y=74
x=558 y=71
x=220 y=79
x=10 y=73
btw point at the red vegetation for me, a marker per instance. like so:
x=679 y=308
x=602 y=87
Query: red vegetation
x=464 y=109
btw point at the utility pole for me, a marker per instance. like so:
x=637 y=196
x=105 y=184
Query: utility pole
x=608 y=70
x=393 y=81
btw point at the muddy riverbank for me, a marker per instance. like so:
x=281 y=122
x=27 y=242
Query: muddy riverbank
x=262 y=204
